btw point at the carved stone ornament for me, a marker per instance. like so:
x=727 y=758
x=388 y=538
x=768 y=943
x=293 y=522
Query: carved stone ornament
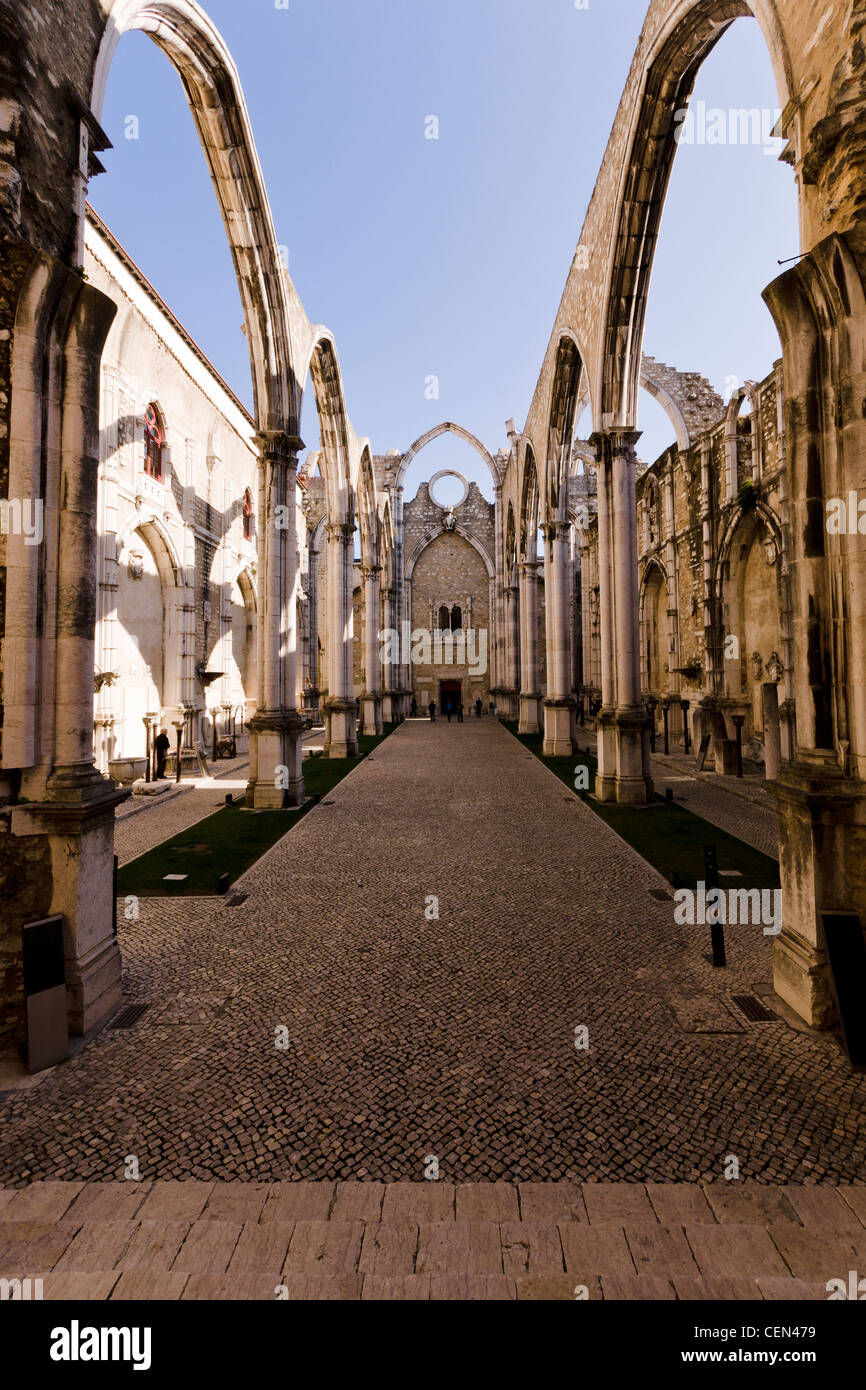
x=135 y=565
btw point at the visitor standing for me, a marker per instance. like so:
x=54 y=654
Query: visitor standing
x=431 y=710
x=478 y=708
x=161 y=747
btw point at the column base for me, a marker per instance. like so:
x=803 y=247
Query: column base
x=390 y=707
x=822 y=843
x=559 y=727
x=342 y=720
x=624 y=753
x=371 y=708
x=530 y=704
x=634 y=785
x=276 y=757
x=507 y=704
x=801 y=976
x=78 y=873
x=605 y=778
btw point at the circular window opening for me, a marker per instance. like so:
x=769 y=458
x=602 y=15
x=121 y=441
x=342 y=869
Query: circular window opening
x=448 y=489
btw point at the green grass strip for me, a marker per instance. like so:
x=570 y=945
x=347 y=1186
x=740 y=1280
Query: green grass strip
x=231 y=841
x=669 y=837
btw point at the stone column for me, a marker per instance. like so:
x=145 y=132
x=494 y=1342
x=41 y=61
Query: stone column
x=818 y=307
x=634 y=783
x=275 y=730
x=624 y=770
x=559 y=702
x=340 y=704
x=78 y=813
x=530 y=694
x=371 y=700
x=772 y=731
x=509 y=699
x=605 y=782
x=390 y=696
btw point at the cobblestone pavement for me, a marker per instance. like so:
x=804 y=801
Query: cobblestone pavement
x=739 y=806
x=408 y=1035
x=423 y=1241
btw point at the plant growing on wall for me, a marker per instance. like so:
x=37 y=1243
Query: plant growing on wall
x=747 y=497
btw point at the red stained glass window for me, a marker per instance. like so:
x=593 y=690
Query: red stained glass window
x=154 y=442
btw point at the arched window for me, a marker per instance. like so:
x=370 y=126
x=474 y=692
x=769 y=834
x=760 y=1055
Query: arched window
x=444 y=619
x=248 y=515
x=456 y=619
x=154 y=442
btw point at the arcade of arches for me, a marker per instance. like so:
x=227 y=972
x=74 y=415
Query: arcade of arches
x=193 y=567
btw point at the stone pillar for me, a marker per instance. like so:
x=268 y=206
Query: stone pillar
x=508 y=705
x=605 y=782
x=390 y=694
x=772 y=731
x=819 y=308
x=559 y=702
x=624 y=769
x=530 y=694
x=276 y=778
x=371 y=700
x=77 y=816
x=340 y=704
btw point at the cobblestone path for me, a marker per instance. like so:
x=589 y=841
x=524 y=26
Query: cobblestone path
x=410 y=1036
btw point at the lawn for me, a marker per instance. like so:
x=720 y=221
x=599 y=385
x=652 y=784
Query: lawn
x=669 y=837
x=230 y=841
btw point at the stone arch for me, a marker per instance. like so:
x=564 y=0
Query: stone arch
x=160 y=650
x=510 y=543
x=157 y=535
x=739 y=602
x=213 y=88
x=654 y=587
x=458 y=531
x=652 y=380
x=529 y=508
x=564 y=398
x=747 y=392
x=334 y=459
x=447 y=427
x=367 y=512
x=670 y=65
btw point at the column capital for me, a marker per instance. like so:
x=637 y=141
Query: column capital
x=529 y=568
x=279 y=446
x=615 y=443
x=370 y=572
x=340 y=531
x=555 y=530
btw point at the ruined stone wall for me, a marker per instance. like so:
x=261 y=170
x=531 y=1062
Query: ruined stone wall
x=187 y=527
x=744 y=642
x=450 y=571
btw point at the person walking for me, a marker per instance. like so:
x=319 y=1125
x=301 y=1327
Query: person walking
x=449 y=710
x=478 y=708
x=460 y=712
x=161 y=746
x=431 y=710
x=414 y=706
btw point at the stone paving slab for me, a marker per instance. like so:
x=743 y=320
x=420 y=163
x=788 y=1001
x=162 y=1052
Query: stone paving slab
x=409 y=1037
x=407 y=1256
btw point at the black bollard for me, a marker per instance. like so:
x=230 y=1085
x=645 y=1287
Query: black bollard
x=717 y=930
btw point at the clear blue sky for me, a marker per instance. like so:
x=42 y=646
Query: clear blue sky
x=446 y=257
